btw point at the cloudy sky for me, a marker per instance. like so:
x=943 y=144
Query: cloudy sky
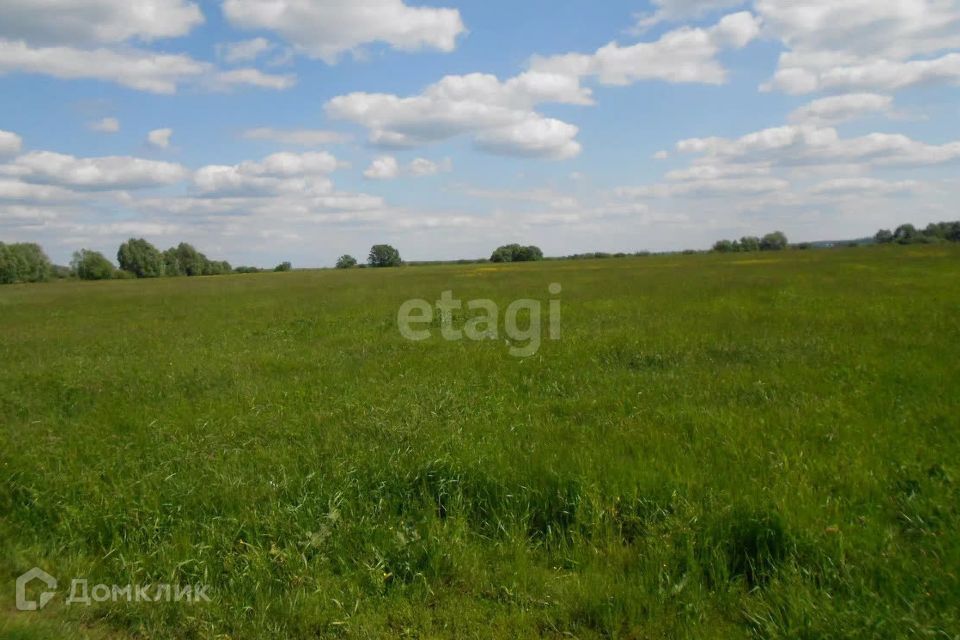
x=269 y=130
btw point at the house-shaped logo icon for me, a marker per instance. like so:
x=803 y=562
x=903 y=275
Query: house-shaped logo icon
x=23 y=604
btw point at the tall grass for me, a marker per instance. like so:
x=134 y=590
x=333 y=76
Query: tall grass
x=718 y=446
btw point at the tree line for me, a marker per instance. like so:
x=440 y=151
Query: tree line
x=908 y=234
x=137 y=258
x=776 y=241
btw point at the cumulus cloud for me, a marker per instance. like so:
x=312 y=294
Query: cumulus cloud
x=382 y=168
x=863 y=45
x=675 y=10
x=106 y=125
x=807 y=144
x=386 y=167
x=419 y=167
x=160 y=138
x=110 y=172
x=95 y=39
x=91 y=22
x=837 y=109
x=499 y=114
x=278 y=173
x=253 y=78
x=327 y=29
x=297 y=137
x=245 y=50
x=864 y=186
x=10 y=143
x=682 y=55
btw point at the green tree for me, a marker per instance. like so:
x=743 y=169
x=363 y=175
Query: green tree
x=383 y=255
x=91 y=265
x=516 y=253
x=171 y=264
x=283 y=266
x=24 y=262
x=346 y=261
x=776 y=241
x=906 y=234
x=140 y=258
x=192 y=262
x=884 y=236
x=723 y=246
x=749 y=243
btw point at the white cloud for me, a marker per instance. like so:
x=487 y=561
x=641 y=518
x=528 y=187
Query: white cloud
x=499 y=114
x=682 y=55
x=327 y=29
x=386 y=167
x=160 y=138
x=106 y=125
x=794 y=145
x=10 y=143
x=864 y=186
x=837 y=109
x=675 y=10
x=91 y=22
x=253 y=78
x=297 y=137
x=423 y=167
x=863 y=45
x=245 y=50
x=535 y=137
x=110 y=172
x=279 y=173
x=137 y=69
x=382 y=168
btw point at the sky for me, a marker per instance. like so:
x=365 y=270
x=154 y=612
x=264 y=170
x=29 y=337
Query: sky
x=268 y=130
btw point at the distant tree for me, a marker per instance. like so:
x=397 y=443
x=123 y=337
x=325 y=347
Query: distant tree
x=802 y=246
x=723 y=246
x=776 y=241
x=383 y=255
x=171 y=263
x=140 y=258
x=91 y=265
x=283 y=266
x=884 y=236
x=23 y=262
x=191 y=261
x=906 y=234
x=749 y=243
x=247 y=270
x=516 y=253
x=216 y=267
x=346 y=261
x=60 y=272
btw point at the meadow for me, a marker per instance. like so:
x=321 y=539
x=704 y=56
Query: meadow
x=719 y=446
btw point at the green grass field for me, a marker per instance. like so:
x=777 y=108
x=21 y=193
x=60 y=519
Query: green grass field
x=718 y=447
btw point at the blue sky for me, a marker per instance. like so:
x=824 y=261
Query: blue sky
x=300 y=130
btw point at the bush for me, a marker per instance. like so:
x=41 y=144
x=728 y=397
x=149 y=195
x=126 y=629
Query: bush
x=91 y=265
x=346 y=261
x=283 y=266
x=383 y=255
x=516 y=253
